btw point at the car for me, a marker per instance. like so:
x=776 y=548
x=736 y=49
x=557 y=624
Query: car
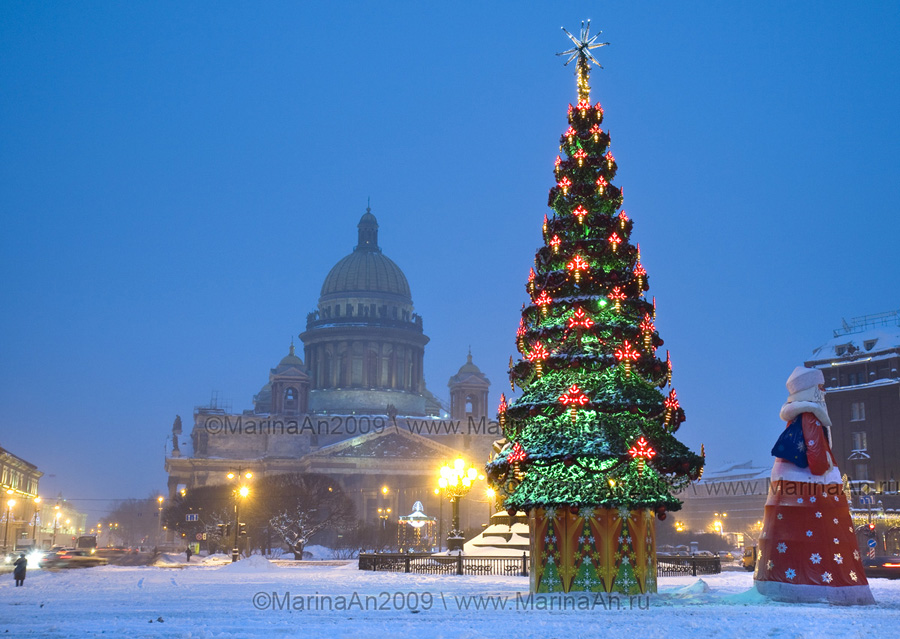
x=71 y=558
x=725 y=555
x=887 y=566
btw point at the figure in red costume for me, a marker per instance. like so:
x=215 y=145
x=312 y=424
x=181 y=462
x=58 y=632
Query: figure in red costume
x=808 y=551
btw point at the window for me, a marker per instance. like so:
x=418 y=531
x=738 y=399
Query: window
x=869 y=344
x=840 y=350
x=859 y=440
x=857 y=411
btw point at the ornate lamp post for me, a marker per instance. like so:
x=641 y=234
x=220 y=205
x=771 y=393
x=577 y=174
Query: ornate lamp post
x=56 y=517
x=455 y=482
x=37 y=508
x=159 y=501
x=9 y=504
x=240 y=493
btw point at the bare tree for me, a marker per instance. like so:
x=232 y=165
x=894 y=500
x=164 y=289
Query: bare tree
x=300 y=505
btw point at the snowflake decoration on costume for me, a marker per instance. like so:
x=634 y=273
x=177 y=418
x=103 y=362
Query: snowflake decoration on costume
x=780 y=516
x=809 y=533
x=621 y=539
x=836 y=540
x=782 y=547
x=790 y=573
x=812 y=500
x=850 y=528
x=835 y=520
x=770 y=564
x=591 y=540
x=853 y=575
x=625 y=561
x=799 y=500
x=838 y=558
x=816 y=558
x=827 y=578
x=818 y=515
x=856 y=555
x=836 y=498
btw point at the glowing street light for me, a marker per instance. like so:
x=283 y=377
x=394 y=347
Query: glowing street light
x=9 y=504
x=455 y=482
x=37 y=508
x=240 y=493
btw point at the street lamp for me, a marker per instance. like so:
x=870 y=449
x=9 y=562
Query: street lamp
x=240 y=493
x=37 y=508
x=438 y=492
x=9 y=504
x=159 y=509
x=455 y=482
x=56 y=516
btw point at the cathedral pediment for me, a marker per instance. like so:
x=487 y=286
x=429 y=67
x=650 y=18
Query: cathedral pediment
x=393 y=443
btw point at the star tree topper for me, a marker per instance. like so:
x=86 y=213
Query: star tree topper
x=582 y=52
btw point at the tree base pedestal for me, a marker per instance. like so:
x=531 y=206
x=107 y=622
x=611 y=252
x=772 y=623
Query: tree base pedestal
x=593 y=550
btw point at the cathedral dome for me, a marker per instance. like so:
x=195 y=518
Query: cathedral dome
x=366 y=270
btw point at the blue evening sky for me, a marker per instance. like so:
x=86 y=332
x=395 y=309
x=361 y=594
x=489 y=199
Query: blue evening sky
x=176 y=180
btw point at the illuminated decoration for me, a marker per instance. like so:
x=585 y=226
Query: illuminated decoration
x=520 y=333
x=576 y=265
x=615 y=240
x=590 y=512
x=583 y=106
x=573 y=398
x=647 y=327
x=580 y=321
x=531 y=280
x=639 y=273
x=641 y=451
x=668 y=368
x=582 y=52
x=556 y=163
x=617 y=296
x=516 y=456
x=654 y=307
x=555 y=242
x=599 y=110
x=671 y=405
x=512 y=385
x=501 y=410
x=543 y=301
x=626 y=354
x=537 y=356
x=545 y=224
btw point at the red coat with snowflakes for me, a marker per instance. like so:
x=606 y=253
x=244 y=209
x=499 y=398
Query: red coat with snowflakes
x=808 y=549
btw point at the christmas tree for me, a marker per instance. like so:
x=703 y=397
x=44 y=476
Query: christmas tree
x=589 y=450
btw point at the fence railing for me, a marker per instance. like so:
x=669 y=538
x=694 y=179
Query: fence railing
x=668 y=566
x=444 y=565
x=424 y=563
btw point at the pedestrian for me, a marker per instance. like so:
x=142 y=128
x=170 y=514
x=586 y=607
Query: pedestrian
x=188 y=553
x=19 y=572
x=808 y=551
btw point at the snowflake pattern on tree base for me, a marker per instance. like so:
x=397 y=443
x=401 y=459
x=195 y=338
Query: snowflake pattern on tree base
x=601 y=550
x=808 y=550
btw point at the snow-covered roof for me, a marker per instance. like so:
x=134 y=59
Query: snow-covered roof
x=868 y=342
x=731 y=471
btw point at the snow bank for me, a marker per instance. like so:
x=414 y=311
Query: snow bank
x=254 y=564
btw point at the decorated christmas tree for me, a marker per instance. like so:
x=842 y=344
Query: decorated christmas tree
x=589 y=451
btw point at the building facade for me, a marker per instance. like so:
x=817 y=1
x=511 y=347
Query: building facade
x=861 y=363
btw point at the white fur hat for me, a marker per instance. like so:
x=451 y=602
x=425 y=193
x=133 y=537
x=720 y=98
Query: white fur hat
x=803 y=378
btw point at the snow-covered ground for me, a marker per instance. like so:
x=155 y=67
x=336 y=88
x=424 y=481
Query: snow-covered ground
x=219 y=600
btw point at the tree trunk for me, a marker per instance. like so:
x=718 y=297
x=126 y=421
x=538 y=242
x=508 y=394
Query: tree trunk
x=297 y=549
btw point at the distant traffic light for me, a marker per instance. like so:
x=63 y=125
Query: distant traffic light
x=243 y=530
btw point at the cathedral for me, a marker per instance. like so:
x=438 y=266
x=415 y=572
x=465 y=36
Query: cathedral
x=355 y=407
